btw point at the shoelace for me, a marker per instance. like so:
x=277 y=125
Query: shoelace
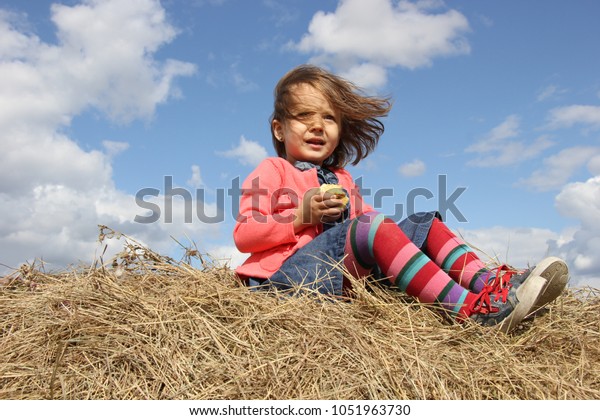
x=498 y=287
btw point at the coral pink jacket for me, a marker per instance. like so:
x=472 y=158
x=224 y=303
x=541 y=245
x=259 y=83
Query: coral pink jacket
x=264 y=227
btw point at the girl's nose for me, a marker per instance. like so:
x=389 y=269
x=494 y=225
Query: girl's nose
x=316 y=123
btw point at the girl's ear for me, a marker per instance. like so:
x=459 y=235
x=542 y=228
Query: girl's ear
x=277 y=130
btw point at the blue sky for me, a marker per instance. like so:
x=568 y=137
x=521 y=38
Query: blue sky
x=102 y=99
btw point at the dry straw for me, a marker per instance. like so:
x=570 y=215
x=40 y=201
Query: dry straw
x=148 y=327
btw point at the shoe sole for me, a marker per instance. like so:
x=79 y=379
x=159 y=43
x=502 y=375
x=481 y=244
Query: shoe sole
x=556 y=273
x=527 y=294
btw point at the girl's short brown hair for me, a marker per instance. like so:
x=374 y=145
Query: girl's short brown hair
x=360 y=126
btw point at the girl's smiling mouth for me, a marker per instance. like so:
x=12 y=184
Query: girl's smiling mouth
x=316 y=142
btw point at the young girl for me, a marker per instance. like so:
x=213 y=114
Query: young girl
x=299 y=235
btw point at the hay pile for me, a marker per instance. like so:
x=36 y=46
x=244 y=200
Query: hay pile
x=147 y=327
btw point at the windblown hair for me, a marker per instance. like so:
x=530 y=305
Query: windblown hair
x=360 y=126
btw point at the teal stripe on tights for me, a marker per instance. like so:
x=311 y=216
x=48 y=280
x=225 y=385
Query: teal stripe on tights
x=372 y=231
x=460 y=302
x=409 y=272
x=454 y=255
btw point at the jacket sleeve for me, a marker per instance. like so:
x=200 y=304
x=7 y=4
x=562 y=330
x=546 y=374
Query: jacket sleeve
x=267 y=211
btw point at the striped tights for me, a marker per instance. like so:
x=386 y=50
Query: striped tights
x=446 y=271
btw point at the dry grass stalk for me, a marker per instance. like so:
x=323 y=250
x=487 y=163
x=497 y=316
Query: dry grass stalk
x=147 y=327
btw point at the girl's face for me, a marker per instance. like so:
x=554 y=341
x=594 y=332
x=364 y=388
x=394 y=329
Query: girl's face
x=312 y=132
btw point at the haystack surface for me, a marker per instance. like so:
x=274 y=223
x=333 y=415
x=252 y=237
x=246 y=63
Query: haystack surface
x=146 y=327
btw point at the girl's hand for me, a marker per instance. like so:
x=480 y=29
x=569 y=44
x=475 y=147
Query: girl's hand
x=316 y=208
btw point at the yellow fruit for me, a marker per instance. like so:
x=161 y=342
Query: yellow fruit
x=336 y=189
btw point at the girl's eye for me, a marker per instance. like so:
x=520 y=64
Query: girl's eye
x=303 y=115
x=330 y=117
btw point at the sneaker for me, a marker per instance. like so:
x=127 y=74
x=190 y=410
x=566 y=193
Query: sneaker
x=556 y=273
x=504 y=306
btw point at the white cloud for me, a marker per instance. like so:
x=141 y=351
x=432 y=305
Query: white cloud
x=243 y=84
x=113 y=148
x=196 y=180
x=53 y=194
x=525 y=247
x=366 y=74
x=248 y=152
x=549 y=92
x=594 y=165
x=383 y=34
x=282 y=13
x=578 y=245
x=59 y=224
x=571 y=115
x=508 y=129
x=415 y=168
x=228 y=255
x=486 y=20
x=103 y=59
x=240 y=81
x=581 y=201
x=519 y=247
x=497 y=149
x=557 y=169
x=41 y=156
